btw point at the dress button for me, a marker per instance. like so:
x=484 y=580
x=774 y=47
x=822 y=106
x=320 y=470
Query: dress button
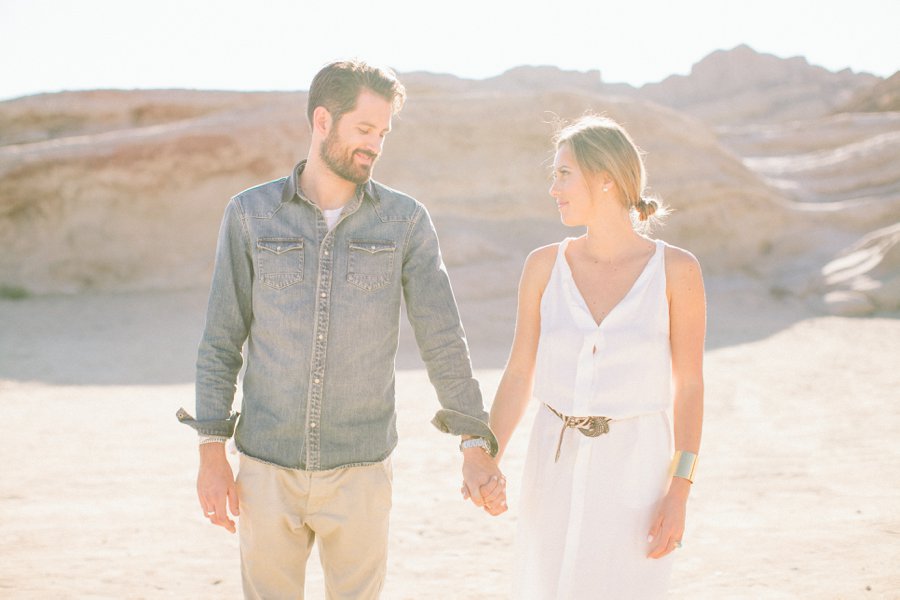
x=326 y=253
x=321 y=336
x=316 y=380
x=373 y=247
x=278 y=248
x=312 y=425
x=322 y=294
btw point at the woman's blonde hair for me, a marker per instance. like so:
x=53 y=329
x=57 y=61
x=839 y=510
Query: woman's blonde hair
x=602 y=145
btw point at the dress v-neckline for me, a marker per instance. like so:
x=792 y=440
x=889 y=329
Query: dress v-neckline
x=577 y=292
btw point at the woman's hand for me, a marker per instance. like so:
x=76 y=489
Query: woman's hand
x=668 y=526
x=493 y=495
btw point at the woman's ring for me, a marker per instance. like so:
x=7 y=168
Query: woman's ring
x=678 y=543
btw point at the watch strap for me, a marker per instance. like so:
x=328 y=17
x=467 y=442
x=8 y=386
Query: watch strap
x=475 y=443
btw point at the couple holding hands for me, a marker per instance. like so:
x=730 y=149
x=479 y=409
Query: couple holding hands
x=310 y=274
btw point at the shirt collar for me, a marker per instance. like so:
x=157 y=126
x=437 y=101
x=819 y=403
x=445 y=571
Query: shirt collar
x=291 y=190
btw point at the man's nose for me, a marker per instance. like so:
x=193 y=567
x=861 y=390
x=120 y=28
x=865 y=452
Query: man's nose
x=374 y=144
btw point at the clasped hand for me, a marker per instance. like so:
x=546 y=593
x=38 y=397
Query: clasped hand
x=483 y=483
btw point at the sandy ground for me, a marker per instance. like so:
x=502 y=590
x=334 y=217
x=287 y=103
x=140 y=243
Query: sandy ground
x=797 y=495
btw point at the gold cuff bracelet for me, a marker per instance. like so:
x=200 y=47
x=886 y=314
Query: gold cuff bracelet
x=683 y=465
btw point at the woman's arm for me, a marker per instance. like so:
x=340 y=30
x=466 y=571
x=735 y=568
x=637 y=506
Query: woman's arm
x=517 y=382
x=687 y=317
x=515 y=387
x=687 y=331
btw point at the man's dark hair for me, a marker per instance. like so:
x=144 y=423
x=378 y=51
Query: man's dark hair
x=338 y=84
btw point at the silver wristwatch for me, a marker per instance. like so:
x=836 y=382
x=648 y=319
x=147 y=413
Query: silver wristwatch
x=475 y=443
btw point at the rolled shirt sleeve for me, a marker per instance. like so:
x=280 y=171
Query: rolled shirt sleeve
x=220 y=428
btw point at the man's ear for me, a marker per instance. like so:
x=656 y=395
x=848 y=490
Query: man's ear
x=322 y=121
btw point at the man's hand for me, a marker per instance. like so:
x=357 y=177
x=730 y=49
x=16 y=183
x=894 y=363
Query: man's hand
x=215 y=486
x=483 y=482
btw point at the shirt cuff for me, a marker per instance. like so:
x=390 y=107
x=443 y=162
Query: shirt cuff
x=214 y=427
x=212 y=439
x=457 y=423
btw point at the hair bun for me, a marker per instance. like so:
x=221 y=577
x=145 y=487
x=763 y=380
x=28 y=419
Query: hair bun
x=646 y=208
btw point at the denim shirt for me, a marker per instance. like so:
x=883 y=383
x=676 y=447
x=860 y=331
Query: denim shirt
x=320 y=312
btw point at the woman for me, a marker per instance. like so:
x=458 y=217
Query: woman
x=609 y=339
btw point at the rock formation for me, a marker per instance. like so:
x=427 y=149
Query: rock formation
x=741 y=86
x=883 y=96
x=124 y=190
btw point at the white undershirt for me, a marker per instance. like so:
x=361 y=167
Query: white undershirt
x=332 y=216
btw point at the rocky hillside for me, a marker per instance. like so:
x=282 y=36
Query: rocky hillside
x=124 y=190
x=742 y=86
x=883 y=96
x=120 y=203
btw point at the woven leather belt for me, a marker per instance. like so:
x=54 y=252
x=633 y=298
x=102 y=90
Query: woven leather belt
x=588 y=426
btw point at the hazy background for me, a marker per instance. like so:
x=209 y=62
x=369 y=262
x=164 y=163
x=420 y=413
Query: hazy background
x=772 y=129
x=48 y=45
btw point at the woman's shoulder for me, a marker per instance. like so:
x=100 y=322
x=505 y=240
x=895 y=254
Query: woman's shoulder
x=682 y=267
x=545 y=255
x=678 y=258
x=539 y=265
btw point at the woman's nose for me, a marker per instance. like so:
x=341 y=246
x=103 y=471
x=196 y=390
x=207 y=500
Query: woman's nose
x=553 y=191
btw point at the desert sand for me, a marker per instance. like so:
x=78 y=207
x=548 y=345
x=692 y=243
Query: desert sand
x=784 y=183
x=796 y=496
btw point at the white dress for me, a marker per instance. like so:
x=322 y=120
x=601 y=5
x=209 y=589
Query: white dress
x=584 y=519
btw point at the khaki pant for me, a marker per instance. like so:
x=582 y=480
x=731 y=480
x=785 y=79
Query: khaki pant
x=283 y=511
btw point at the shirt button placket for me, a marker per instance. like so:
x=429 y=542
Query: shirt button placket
x=317 y=376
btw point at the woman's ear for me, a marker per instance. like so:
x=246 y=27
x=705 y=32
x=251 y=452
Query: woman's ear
x=606 y=182
x=601 y=181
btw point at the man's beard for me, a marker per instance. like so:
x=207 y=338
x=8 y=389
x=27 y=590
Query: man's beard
x=339 y=158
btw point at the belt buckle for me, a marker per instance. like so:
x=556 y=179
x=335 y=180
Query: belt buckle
x=588 y=426
x=597 y=427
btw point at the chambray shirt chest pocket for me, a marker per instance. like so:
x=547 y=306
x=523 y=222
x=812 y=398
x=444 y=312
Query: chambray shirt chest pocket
x=280 y=261
x=370 y=263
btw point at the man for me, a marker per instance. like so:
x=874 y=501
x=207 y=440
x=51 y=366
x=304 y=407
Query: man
x=310 y=270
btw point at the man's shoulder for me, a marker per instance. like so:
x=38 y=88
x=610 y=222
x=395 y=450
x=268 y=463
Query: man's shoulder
x=393 y=204
x=262 y=198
